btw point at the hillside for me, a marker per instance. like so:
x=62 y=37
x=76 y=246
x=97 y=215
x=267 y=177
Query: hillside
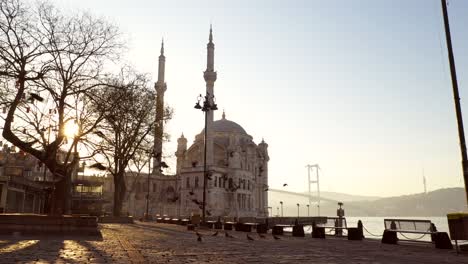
x=435 y=203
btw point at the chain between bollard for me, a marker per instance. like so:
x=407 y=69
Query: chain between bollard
x=370 y=232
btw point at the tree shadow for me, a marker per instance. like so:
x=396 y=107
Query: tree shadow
x=48 y=249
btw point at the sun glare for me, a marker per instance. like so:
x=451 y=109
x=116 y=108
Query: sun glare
x=71 y=129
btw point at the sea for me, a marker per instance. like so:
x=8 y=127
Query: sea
x=374 y=226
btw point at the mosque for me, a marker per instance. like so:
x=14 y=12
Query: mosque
x=237 y=167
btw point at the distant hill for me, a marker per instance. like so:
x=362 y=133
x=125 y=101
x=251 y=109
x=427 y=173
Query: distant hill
x=435 y=203
x=344 y=197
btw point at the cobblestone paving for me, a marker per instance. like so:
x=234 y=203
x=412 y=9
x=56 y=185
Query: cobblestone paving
x=164 y=243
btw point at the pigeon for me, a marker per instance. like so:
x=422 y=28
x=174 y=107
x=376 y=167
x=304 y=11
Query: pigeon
x=285 y=184
x=266 y=190
x=261 y=236
x=35 y=96
x=98 y=166
x=276 y=238
x=215 y=234
x=199 y=239
x=249 y=238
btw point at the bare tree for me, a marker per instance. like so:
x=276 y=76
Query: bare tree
x=127 y=128
x=51 y=67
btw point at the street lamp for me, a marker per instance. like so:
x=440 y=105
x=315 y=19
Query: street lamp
x=281 y=202
x=308 y=212
x=297 y=210
x=208 y=105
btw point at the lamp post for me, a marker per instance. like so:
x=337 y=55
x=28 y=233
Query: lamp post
x=298 y=210
x=308 y=211
x=208 y=105
x=281 y=202
x=277 y=210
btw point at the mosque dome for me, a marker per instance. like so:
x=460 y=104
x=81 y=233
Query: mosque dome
x=227 y=126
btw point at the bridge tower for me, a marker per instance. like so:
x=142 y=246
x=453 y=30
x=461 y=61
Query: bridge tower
x=316 y=181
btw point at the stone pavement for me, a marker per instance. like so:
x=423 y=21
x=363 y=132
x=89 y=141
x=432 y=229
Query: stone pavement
x=164 y=243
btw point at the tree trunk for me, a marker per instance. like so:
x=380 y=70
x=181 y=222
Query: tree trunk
x=119 y=193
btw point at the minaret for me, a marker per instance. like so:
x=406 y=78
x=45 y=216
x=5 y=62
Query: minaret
x=263 y=203
x=180 y=153
x=161 y=88
x=210 y=78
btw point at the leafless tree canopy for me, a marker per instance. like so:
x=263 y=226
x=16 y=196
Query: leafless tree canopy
x=129 y=112
x=51 y=69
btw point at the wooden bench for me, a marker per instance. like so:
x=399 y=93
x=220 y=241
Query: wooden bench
x=414 y=226
x=229 y=225
x=210 y=224
x=247 y=227
x=279 y=229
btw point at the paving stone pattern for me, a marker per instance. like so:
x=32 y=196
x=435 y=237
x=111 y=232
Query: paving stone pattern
x=165 y=243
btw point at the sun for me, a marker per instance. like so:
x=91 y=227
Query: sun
x=71 y=129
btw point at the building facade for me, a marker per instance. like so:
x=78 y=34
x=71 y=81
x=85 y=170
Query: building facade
x=238 y=167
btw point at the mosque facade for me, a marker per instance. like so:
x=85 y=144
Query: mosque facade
x=237 y=167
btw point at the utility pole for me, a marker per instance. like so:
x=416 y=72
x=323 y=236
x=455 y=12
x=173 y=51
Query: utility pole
x=456 y=97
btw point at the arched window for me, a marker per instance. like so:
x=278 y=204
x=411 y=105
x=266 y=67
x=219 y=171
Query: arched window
x=188 y=182
x=196 y=182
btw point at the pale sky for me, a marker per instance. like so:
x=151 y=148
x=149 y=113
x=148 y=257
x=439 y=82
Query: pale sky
x=360 y=87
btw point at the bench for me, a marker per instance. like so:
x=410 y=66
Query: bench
x=247 y=227
x=229 y=225
x=279 y=229
x=185 y=221
x=414 y=226
x=210 y=224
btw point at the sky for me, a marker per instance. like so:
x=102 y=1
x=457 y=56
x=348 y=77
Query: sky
x=361 y=88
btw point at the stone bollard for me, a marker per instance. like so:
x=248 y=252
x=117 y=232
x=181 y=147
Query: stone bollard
x=442 y=240
x=354 y=234
x=389 y=237
x=360 y=227
x=298 y=231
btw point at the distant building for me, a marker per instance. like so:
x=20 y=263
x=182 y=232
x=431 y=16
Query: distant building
x=238 y=167
x=26 y=185
x=22 y=182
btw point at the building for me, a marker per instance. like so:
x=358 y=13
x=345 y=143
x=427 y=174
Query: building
x=26 y=185
x=237 y=166
x=22 y=182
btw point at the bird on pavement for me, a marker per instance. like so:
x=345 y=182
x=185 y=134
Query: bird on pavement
x=215 y=234
x=249 y=238
x=285 y=184
x=276 y=238
x=199 y=239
